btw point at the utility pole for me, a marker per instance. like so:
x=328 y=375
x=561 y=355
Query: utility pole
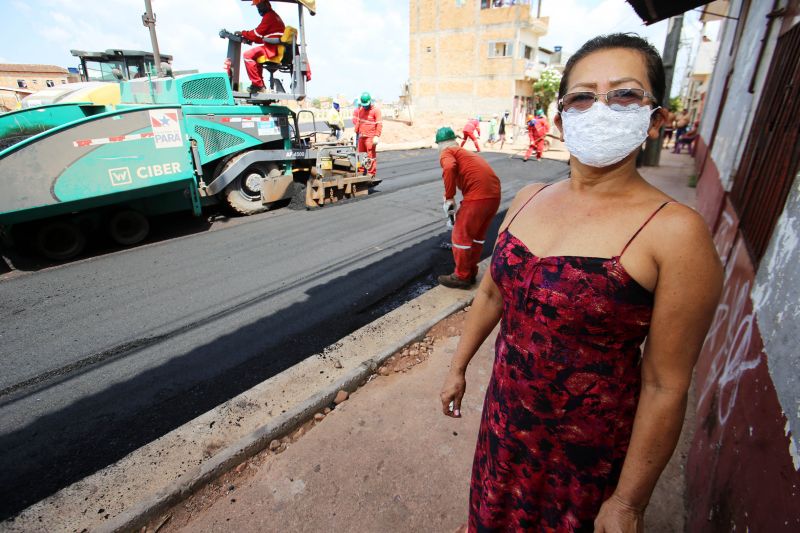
x=149 y=20
x=652 y=150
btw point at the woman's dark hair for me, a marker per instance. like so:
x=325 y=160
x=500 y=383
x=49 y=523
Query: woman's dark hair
x=631 y=41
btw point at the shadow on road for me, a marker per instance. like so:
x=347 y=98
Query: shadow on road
x=79 y=439
x=162 y=228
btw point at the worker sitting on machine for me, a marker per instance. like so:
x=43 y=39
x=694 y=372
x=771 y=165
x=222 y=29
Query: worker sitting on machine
x=271 y=26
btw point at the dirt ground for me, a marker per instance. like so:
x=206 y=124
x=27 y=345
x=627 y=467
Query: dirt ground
x=424 y=126
x=401 y=362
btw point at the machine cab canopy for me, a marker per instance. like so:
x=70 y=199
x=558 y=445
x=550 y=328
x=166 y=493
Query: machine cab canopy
x=99 y=66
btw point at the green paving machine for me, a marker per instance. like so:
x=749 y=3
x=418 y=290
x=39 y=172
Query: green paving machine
x=174 y=143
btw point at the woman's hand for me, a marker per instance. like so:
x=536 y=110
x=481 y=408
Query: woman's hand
x=452 y=391
x=617 y=516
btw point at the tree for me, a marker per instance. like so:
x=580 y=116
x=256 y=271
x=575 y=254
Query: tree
x=546 y=87
x=675 y=104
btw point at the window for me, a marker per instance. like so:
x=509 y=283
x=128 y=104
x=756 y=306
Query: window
x=22 y=84
x=527 y=52
x=501 y=49
x=50 y=83
x=102 y=71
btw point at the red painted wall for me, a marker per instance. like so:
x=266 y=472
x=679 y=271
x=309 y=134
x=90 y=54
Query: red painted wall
x=739 y=472
x=709 y=188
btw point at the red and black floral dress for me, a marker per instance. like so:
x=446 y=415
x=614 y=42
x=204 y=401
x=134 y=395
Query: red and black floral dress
x=560 y=405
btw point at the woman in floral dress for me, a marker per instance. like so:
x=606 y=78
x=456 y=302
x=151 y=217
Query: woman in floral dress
x=578 y=422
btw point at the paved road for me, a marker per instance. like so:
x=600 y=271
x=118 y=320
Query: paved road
x=103 y=355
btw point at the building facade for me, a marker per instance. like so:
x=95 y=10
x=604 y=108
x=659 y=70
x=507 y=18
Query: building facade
x=743 y=469
x=704 y=56
x=20 y=80
x=474 y=57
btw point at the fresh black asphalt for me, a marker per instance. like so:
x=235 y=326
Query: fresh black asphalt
x=103 y=355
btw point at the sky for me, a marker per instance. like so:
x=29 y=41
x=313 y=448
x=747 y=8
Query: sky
x=353 y=45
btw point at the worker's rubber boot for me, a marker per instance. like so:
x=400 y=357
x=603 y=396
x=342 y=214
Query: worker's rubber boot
x=454 y=282
x=255 y=89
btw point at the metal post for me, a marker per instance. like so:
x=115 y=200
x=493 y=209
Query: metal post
x=299 y=90
x=652 y=150
x=234 y=56
x=149 y=20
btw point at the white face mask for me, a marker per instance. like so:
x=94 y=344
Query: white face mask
x=601 y=136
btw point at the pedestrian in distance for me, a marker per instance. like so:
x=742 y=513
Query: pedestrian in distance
x=578 y=423
x=271 y=26
x=492 y=130
x=471 y=128
x=501 y=129
x=469 y=173
x=688 y=139
x=681 y=125
x=669 y=128
x=369 y=126
x=538 y=128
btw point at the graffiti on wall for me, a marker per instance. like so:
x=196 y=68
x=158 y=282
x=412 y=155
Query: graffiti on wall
x=738 y=417
x=729 y=342
x=725 y=234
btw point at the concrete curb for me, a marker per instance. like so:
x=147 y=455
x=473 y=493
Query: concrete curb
x=259 y=439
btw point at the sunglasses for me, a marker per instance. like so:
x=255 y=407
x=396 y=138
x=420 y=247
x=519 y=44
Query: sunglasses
x=583 y=100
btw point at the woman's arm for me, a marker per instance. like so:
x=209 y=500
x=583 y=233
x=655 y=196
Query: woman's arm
x=481 y=320
x=686 y=295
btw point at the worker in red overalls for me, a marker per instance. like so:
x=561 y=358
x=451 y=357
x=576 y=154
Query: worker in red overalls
x=537 y=130
x=480 y=187
x=472 y=127
x=271 y=26
x=368 y=124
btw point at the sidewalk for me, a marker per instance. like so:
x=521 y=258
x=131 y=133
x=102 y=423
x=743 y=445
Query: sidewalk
x=386 y=459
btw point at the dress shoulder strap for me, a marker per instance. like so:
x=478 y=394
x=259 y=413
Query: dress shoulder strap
x=643 y=225
x=526 y=203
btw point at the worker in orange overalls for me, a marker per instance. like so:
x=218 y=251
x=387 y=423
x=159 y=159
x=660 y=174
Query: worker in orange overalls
x=537 y=130
x=480 y=187
x=472 y=126
x=271 y=26
x=368 y=124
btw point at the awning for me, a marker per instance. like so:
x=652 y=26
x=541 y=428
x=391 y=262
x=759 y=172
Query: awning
x=652 y=11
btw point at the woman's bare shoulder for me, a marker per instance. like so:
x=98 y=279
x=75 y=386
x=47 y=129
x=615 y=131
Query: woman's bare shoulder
x=689 y=267
x=522 y=196
x=527 y=191
x=679 y=229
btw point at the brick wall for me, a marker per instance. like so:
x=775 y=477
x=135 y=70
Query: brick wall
x=450 y=64
x=34 y=80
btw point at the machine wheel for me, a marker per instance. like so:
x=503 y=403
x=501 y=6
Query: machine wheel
x=243 y=194
x=128 y=227
x=59 y=240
